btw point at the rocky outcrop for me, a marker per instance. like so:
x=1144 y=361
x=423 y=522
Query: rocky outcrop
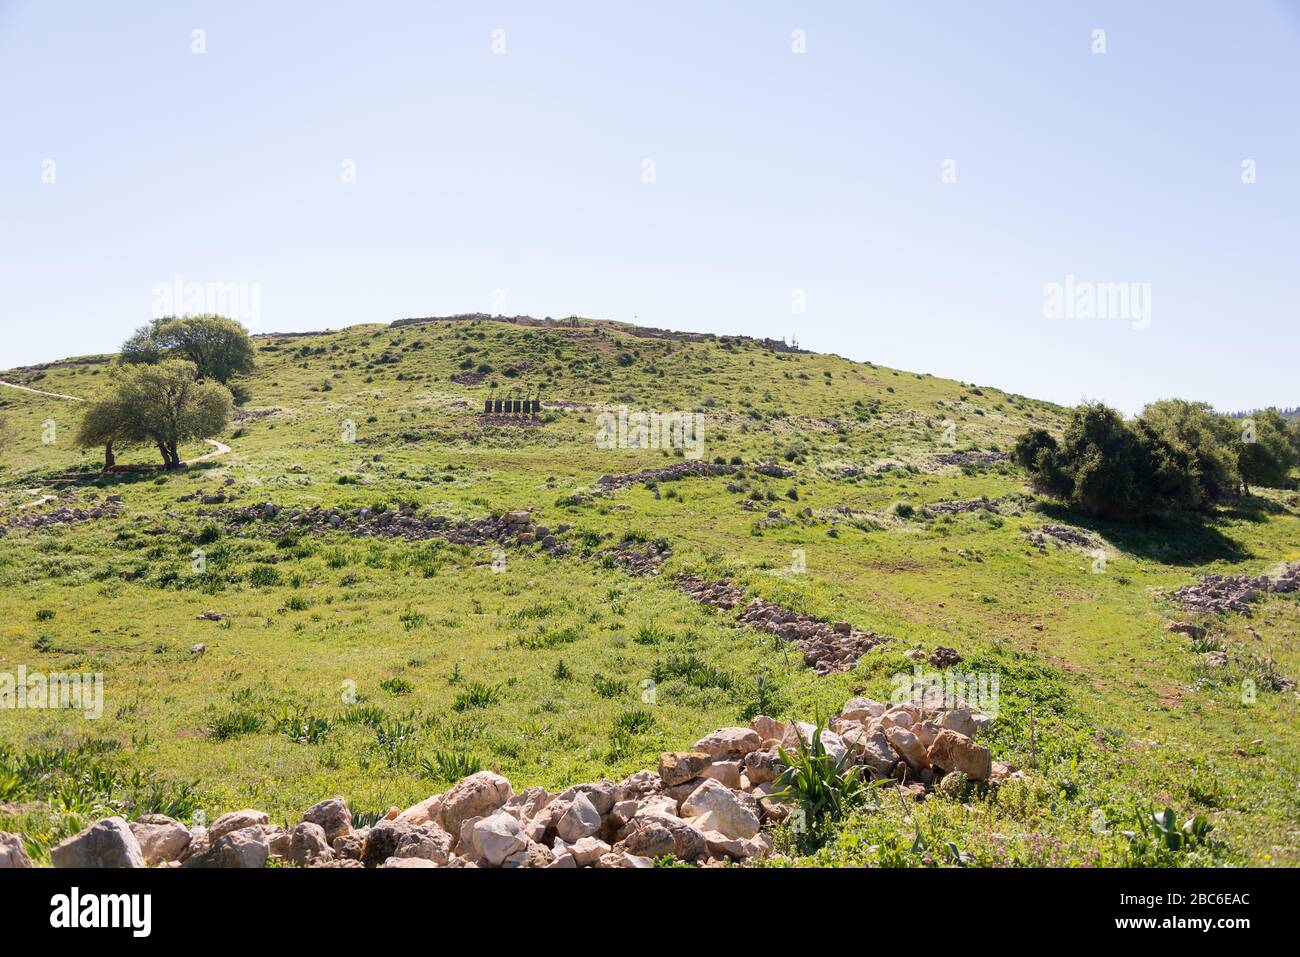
x=1234 y=593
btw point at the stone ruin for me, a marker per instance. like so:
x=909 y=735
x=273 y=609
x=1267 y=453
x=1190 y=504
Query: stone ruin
x=715 y=804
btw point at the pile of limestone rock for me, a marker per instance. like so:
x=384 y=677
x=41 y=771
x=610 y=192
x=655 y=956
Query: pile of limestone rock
x=669 y=473
x=719 y=593
x=514 y=527
x=826 y=647
x=712 y=805
x=970 y=458
x=68 y=514
x=957 y=508
x=1061 y=535
x=687 y=469
x=640 y=562
x=1222 y=593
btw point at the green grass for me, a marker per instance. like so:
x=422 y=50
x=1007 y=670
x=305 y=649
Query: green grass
x=341 y=656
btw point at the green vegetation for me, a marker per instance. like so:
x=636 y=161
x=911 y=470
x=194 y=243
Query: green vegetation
x=821 y=789
x=163 y=404
x=382 y=667
x=219 y=348
x=1176 y=456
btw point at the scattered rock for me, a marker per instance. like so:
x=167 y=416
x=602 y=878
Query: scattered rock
x=717 y=808
x=1234 y=593
x=706 y=806
x=580 y=820
x=161 y=838
x=678 y=767
x=679 y=470
x=728 y=743
x=956 y=752
x=236 y=821
x=382 y=842
x=333 y=817
x=12 y=852
x=497 y=837
x=308 y=844
x=970 y=458
x=825 y=647
x=1062 y=535
x=105 y=844
x=649 y=838
x=246 y=848
x=943 y=657
x=908 y=747
x=475 y=796
x=428 y=841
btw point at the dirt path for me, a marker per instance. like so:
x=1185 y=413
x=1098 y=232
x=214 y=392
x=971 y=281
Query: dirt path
x=54 y=395
x=40 y=501
x=218 y=448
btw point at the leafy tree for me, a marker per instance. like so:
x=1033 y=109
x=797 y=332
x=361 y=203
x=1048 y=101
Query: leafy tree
x=1201 y=441
x=1265 y=450
x=1036 y=452
x=1104 y=466
x=107 y=423
x=1103 y=461
x=166 y=404
x=220 y=348
x=141 y=347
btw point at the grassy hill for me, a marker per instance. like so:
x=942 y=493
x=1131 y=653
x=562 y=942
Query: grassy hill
x=374 y=666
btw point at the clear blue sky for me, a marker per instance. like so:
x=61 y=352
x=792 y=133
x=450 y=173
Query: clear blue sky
x=775 y=172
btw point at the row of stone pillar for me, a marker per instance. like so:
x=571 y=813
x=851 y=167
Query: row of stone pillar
x=512 y=406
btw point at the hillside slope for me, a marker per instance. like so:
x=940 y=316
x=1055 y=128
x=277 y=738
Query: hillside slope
x=842 y=490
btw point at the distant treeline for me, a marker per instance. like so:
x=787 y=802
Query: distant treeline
x=1176 y=456
x=1291 y=413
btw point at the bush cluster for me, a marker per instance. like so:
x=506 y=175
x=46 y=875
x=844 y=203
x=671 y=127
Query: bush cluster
x=1176 y=456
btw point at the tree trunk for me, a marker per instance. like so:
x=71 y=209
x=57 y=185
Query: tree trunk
x=109 y=460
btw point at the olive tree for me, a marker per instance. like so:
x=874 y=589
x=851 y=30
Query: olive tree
x=107 y=424
x=220 y=348
x=166 y=404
